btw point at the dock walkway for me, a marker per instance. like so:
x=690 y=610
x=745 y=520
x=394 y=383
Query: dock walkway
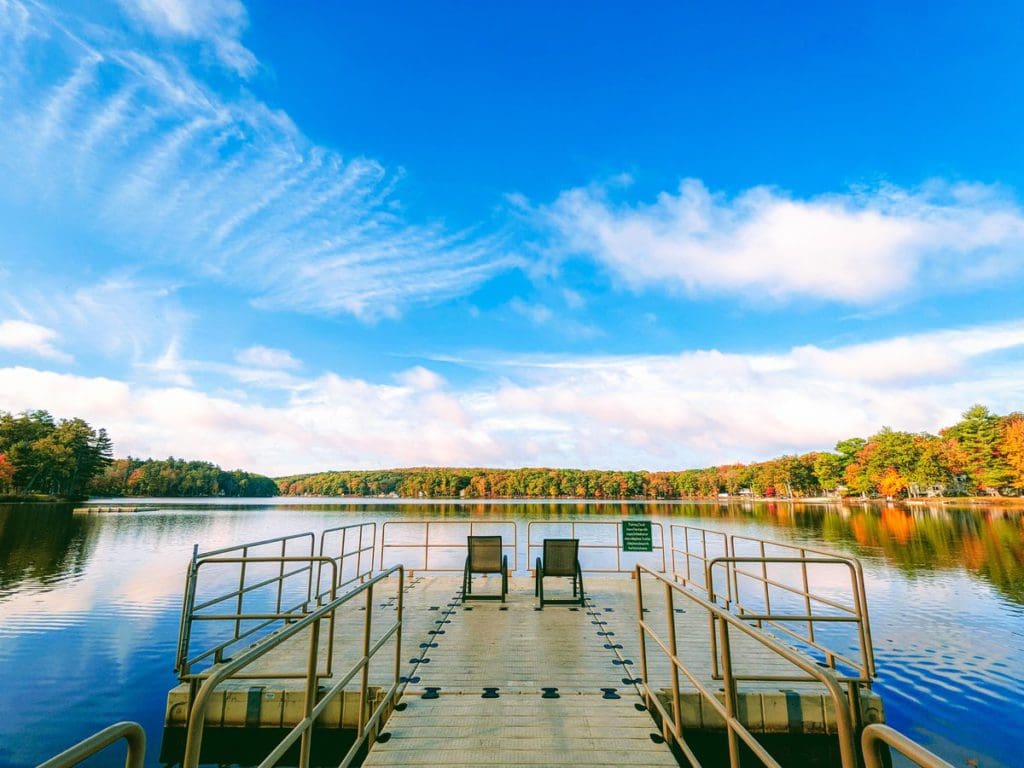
x=486 y=694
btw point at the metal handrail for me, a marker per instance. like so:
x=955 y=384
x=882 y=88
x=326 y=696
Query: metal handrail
x=778 y=621
x=344 y=554
x=83 y=750
x=727 y=710
x=427 y=546
x=859 y=589
x=702 y=557
x=266 y=618
x=189 y=608
x=313 y=707
x=616 y=547
x=313 y=589
x=876 y=735
x=252 y=544
x=693 y=545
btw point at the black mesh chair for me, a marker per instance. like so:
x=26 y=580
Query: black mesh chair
x=484 y=556
x=561 y=558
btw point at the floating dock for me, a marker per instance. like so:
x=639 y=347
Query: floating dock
x=112 y=509
x=617 y=680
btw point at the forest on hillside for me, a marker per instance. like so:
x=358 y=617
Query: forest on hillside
x=983 y=453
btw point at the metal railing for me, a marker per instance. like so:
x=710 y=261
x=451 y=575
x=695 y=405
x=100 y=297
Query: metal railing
x=265 y=618
x=691 y=550
x=356 y=545
x=725 y=623
x=83 y=750
x=315 y=702
x=876 y=736
x=781 y=586
x=594 y=545
x=858 y=608
x=280 y=593
x=443 y=542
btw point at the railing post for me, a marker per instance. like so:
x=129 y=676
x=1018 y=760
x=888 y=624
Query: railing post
x=309 y=581
x=365 y=678
x=709 y=585
x=311 y=691
x=730 y=695
x=807 y=595
x=677 y=715
x=643 y=632
x=241 y=593
x=280 y=574
x=764 y=583
x=187 y=606
x=398 y=635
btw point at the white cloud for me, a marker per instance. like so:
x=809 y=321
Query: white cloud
x=218 y=23
x=133 y=149
x=267 y=357
x=21 y=336
x=697 y=408
x=120 y=316
x=858 y=248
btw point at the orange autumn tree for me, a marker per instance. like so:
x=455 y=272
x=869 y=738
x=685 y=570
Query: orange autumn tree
x=891 y=482
x=6 y=473
x=1012 y=446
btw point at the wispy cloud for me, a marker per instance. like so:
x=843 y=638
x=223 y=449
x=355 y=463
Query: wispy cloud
x=20 y=336
x=259 y=356
x=695 y=408
x=217 y=23
x=858 y=248
x=121 y=316
x=133 y=148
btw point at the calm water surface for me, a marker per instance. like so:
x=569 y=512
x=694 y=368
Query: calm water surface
x=89 y=607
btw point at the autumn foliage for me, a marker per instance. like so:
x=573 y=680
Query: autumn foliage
x=982 y=453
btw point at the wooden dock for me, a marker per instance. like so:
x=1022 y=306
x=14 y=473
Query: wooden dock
x=509 y=684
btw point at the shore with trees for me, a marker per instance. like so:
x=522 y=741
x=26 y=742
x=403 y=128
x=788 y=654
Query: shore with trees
x=44 y=459
x=980 y=455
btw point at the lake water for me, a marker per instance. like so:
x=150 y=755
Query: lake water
x=89 y=606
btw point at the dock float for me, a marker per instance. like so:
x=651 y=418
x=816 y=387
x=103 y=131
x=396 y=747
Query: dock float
x=653 y=668
x=111 y=510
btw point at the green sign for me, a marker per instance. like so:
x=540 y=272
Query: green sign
x=636 y=536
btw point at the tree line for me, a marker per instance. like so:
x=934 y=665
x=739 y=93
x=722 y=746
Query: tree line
x=69 y=459
x=983 y=453
x=177 y=477
x=42 y=456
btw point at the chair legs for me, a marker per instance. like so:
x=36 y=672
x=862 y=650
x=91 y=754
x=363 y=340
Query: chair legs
x=467 y=583
x=577 y=587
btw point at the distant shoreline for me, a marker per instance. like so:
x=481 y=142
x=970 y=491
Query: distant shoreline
x=284 y=500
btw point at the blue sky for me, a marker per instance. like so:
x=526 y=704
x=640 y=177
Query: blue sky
x=305 y=236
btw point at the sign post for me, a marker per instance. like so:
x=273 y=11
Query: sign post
x=636 y=536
